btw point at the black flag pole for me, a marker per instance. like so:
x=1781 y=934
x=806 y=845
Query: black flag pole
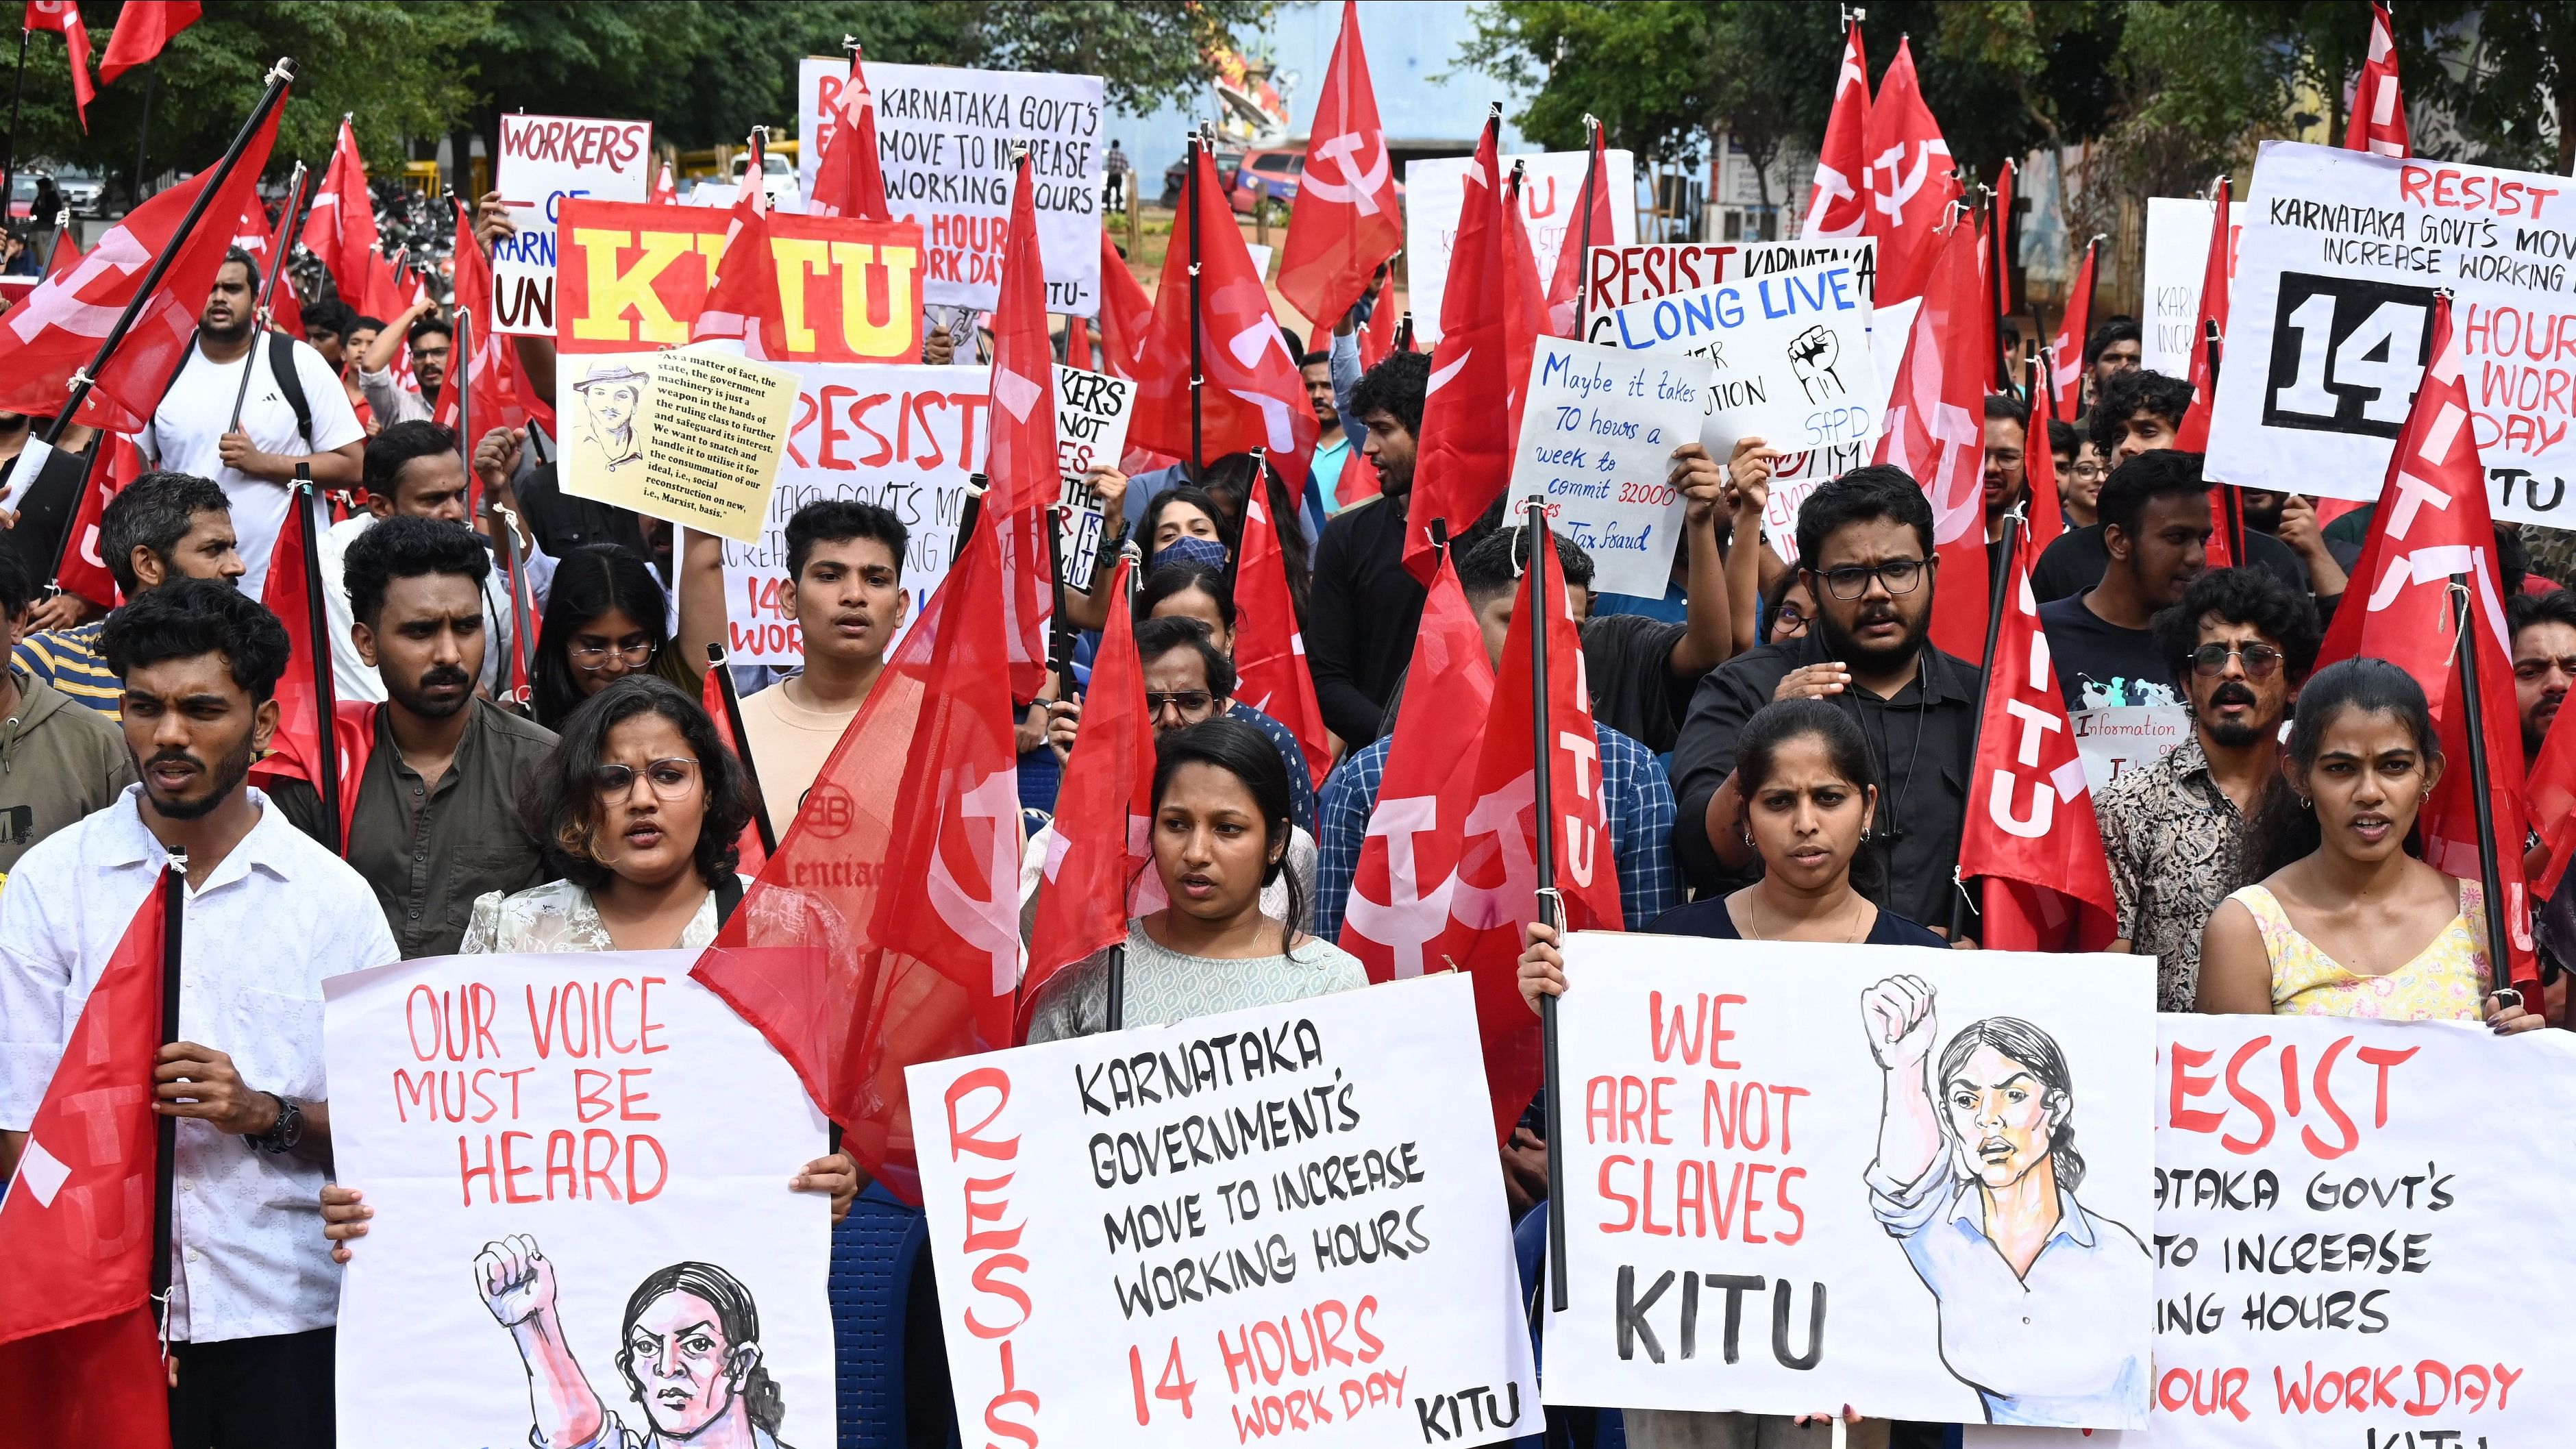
x=266 y=292
x=1551 y=906
x=84 y=379
x=1583 y=232
x=2473 y=717
x=307 y=505
x=742 y=747
x=1198 y=376
x=165 y=1129
x=1995 y=598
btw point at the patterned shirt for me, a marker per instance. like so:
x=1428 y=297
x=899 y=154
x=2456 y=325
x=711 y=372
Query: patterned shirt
x=2177 y=847
x=1636 y=799
x=68 y=659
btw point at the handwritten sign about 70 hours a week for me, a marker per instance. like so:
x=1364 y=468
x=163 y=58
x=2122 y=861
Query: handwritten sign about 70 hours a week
x=1597 y=440
x=1789 y=355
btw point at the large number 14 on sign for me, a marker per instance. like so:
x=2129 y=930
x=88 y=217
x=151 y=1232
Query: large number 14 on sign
x=1175 y=1385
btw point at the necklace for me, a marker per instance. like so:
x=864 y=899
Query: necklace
x=1860 y=912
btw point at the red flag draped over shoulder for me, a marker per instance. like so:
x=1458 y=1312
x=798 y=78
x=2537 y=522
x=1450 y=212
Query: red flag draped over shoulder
x=1103 y=813
x=849 y=180
x=1346 y=220
x=61 y=324
x=885 y=931
x=2432 y=523
x=1909 y=181
x=1269 y=648
x=1020 y=450
x=2030 y=831
x=64 y=18
x=143 y=27
x=1836 y=205
x=80 y=1358
x=341 y=227
x=2378 y=123
x=1565 y=289
x=2066 y=361
x=1936 y=432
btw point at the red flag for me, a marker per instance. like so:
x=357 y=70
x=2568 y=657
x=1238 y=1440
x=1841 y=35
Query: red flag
x=2432 y=523
x=80 y=1361
x=712 y=694
x=1346 y=219
x=664 y=192
x=67 y=254
x=1836 y=207
x=1497 y=881
x=1564 y=290
x=1464 y=455
x=2066 y=359
x=1377 y=339
x=1020 y=445
x=1077 y=344
x=1255 y=396
x=2378 y=123
x=341 y=227
x=1399 y=901
x=742 y=298
x=1524 y=298
x=1103 y=813
x=1269 y=648
x=2039 y=483
x=143 y=27
x=2030 y=831
x=2553 y=804
x=84 y=572
x=1936 y=432
x=493 y=368
x=850 y=178
x=64 y=18
x=1909 y=181
x=2002 y=229
x=2217 y=265
x=285 y=309
x=1126 y=315
x=297 y=743
x=885 y=931
x=60 y=325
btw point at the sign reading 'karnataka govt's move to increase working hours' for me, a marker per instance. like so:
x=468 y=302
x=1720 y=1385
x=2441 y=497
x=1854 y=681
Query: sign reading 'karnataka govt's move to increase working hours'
x=1597 y=437
x=546 y=161
x=1435 y=191
x=1278 y=1224
x=944 y=136
x=583 y=1230
x=1744 y=1232
x=2330 y=324
x=2356 y=1239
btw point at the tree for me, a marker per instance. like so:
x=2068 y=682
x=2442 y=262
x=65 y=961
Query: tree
x=1637 y=67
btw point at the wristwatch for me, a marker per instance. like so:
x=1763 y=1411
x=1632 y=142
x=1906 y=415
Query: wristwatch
x=285 y=1132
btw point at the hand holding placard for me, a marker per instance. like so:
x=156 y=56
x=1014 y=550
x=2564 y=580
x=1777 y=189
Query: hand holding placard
x=1597 y=437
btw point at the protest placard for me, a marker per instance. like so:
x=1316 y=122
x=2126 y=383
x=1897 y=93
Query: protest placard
x=903 y=438
x=692 y=435
x=944 y=136
x=2115 y=739
x=1615 y=277
x=2177 y=255
x=1743 y=1232
x=1790 y=356
x=1090 y=431
x=1287 y=1221
x=568 y=1154
x=546 y=161
x=2330 y=325
x=1597 y=439
x=1551 y=187
x=2344 y=1239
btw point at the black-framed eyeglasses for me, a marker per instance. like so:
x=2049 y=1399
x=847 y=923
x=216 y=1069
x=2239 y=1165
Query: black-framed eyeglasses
x=1790 y=619
x=1898 y=576
x=2260 y=660
x=1187 y=701
x=672 y=779
x=594 y=657
x=2089 y=470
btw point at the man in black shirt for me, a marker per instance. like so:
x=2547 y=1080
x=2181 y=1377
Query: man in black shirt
x=2155 y=526
x=1865 y=552
x=1365 y=608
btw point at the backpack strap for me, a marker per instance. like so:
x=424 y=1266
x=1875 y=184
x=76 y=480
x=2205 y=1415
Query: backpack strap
x=728 y=896
x=290 y=382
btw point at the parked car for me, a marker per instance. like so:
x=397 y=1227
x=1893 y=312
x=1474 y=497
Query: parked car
x=85 y=192
x=1266 y=177
x=777 y=177
x=22 y=196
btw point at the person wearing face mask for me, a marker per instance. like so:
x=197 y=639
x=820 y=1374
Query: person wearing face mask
x=1184 y=525
x=2238 y=645
x=2343 y=922
x=1220 y=836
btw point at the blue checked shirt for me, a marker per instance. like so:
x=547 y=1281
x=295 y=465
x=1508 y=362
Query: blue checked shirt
x=1637 y=801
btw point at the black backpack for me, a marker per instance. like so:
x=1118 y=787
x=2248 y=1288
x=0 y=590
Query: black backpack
x=281 y=363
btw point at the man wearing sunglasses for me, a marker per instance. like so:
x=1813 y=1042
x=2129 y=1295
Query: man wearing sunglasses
x=2239 y=644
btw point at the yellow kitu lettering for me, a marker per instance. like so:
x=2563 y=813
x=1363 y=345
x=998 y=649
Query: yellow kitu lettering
x=795 y=257
x=614 y=292
x=865 y=338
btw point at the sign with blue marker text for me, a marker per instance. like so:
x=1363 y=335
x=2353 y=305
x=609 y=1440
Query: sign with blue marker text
x=1597 y=439
x=1789 y=355
x=546 y=161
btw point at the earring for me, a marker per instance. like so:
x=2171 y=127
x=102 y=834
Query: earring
x=2307 y=804
x=1865 y=832
x=1745 y=834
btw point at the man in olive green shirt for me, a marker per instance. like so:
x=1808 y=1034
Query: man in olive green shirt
x=58 y=761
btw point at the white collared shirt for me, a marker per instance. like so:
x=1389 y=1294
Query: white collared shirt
x=277 y=915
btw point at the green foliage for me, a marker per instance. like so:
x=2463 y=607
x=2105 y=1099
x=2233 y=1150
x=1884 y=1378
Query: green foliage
x=1637 y=66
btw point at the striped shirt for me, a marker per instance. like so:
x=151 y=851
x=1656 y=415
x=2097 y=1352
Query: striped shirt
x=68 y=659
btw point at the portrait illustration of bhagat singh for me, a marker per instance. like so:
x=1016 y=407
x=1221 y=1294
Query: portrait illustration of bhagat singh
x=1976 y=1177
x=611 y=397
x=689 y=1352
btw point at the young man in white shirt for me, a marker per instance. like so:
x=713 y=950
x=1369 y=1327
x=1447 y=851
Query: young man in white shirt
x=845 y=589
x=413 y=470
x=254 y=1294
x=192 y=430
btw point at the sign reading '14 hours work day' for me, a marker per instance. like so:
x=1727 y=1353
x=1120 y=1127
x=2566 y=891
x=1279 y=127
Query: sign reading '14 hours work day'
x=1597 y=438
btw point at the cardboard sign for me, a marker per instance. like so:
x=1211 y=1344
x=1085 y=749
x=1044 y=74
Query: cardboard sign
x=1615 y=277
x=1283 y=1222
x=2177 y=253
x=1551 y=189
x=692 y=435
x=546 y=161
x=2115 y=739
x=2331 y=323
x=944 y=137
x=1091 y=414
x=1802 y=473
x=569 y=1155
x=1597 y=440
x=2343 y=1239
x=1790 y=356
x=903 y=438
x=1745 y=1232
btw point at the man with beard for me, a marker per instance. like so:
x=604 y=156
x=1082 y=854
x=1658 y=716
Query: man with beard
x=1865 y=554
x=845 y=591
x=2239 y=645
x=270 y=915
x=431 y=340
x=1365 y=608
x=2543 y=629
x=294 y=413
x=2155 y=524
x=435 y=819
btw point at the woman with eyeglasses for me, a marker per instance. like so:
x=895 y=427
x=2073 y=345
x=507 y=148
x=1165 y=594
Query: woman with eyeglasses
x=2082 y=484
x=606 y=617
x=1787 y=608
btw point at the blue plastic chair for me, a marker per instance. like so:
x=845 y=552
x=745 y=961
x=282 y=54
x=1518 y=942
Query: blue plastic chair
x=874 y=1252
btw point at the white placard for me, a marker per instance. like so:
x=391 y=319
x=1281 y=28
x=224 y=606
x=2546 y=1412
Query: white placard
x=2115 y=739
x=31 y=465
x=1618 y=276
x=944 y=136
x=2330 y=325
x=619 y=1118
x=904 y=438
x=1551 y=188
x=544 y=162
x=1597 y=439
x=2177 y=254
x=2349 y=1233
x=1284 y=1221
x=1728 y=1125
x=1091 y=415
x=1790 y=356
x=1802 y=473
x=1260 y=258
